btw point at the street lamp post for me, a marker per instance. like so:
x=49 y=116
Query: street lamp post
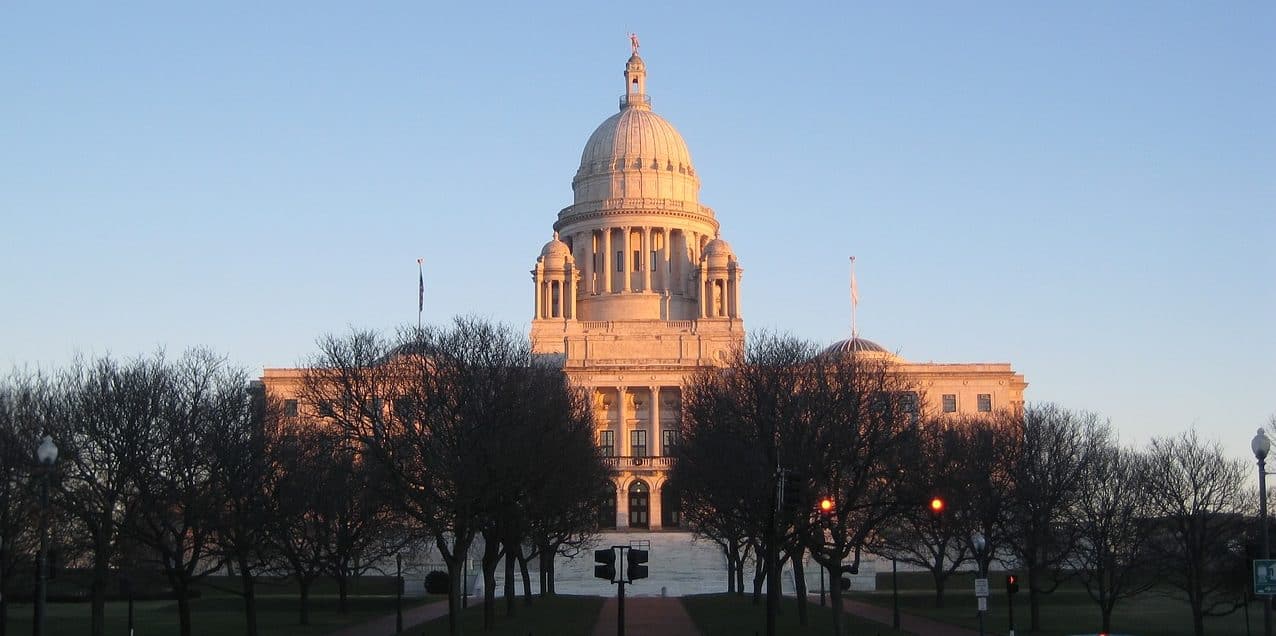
x=46 y=453
x=1261 y=445
x=978 y=541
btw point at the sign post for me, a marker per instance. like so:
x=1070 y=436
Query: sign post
x=1265 y=577
x=981 y=595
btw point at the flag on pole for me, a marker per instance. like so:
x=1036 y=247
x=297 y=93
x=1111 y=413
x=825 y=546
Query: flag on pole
x=420 y=290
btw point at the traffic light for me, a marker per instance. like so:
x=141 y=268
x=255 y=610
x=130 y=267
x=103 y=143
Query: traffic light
x=606 y=564
x=636 y=569
x=826 y=507
x=1012 y=584
x=793 y=492
x=845 y=572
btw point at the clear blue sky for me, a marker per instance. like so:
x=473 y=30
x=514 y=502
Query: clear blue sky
x=1085 y=189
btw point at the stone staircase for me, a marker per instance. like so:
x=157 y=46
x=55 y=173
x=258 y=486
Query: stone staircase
x=678 y=563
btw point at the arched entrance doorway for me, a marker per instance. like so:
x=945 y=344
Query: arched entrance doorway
x=639 y=504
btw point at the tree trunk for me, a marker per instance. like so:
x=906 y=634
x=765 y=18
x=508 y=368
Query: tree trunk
x=1034 y=600
x=730 y=571
x=304 y=586
x=527 y=580
x=835 y=595
x=343 y=592
x=799 y=587
x=250 y=595
x=97 y=593
x=940 y=582
x=491 y=558
x=184 y=608
x=510 y=601
x=759 y=574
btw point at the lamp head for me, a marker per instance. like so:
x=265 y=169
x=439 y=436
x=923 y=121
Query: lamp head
x=47 y=452
x=978 y=541
x=1260 y=445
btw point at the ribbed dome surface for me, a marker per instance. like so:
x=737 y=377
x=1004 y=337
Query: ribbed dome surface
x=853 y=345
x=635 y=134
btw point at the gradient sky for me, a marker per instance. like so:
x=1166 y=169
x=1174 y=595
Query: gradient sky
x=1084 y=189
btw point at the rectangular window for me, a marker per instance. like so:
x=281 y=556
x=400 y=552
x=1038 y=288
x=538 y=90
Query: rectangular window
x=637 y=260
x=950 y=403
x=638 y=443
x=607 y=443
x=290 y=408
x=985 y=402
x=653 y=260
x=909 y=403
x=669 y=441
x=620 y=260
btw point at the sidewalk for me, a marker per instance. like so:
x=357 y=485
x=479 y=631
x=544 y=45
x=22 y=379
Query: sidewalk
x=647 y=616
x=385 y=625
x=914 y=624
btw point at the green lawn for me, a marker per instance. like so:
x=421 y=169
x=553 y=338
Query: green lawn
x=728 y=615
x=553 y=616
x=1067 y=611
x=210 y=616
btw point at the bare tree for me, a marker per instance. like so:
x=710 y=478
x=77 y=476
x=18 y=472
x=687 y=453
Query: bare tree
x=177 y=503
x=298 y=529
x=108 y=411
x=1199 y=499
x=25 y=401
x=937 y=541
x=1112 y=552
x=242 y=448
x=1057 y=448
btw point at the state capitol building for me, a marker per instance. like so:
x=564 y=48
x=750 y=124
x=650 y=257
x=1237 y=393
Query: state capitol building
x=638 y=289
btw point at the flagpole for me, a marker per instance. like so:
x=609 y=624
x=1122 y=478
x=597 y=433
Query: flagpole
x=855 y=298
x=420 y=292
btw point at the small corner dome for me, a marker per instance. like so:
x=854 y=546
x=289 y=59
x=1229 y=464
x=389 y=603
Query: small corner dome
x=555 y=249
x=857 y=346
x=718 y=247
x=718 y=253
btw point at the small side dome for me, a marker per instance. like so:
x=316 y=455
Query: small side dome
x=555 y=253
x=718 y=253
x=858 y=346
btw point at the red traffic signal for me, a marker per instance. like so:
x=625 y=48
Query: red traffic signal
x=1012 y=584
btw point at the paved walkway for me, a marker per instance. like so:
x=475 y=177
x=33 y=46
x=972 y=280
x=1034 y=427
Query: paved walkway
x=647 y=616
x=385 y=625
x=914 y=624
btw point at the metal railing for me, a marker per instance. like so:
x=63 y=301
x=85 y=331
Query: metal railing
x=639 y=462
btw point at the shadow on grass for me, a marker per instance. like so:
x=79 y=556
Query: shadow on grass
x=727 y=615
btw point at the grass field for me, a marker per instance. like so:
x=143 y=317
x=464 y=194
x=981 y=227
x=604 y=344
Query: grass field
x=1067 y=611
x=219 y=612
x=555 y=616
x=728 y=615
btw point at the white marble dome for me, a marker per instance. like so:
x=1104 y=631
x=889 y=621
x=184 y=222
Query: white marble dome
x=636 y=154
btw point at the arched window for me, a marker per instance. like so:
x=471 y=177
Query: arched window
x=639 y=505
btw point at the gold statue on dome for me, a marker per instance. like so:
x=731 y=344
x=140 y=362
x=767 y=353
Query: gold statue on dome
x=633 y=43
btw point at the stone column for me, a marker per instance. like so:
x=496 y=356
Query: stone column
x=653 y=506
x=621 y=428
x=536 y=294
x=591 y=286
x=666 y=264
x=573 y=278
x=622 y=505
x=624 y=259
x=646 y=254
x=655 y=422
x=606 y=261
